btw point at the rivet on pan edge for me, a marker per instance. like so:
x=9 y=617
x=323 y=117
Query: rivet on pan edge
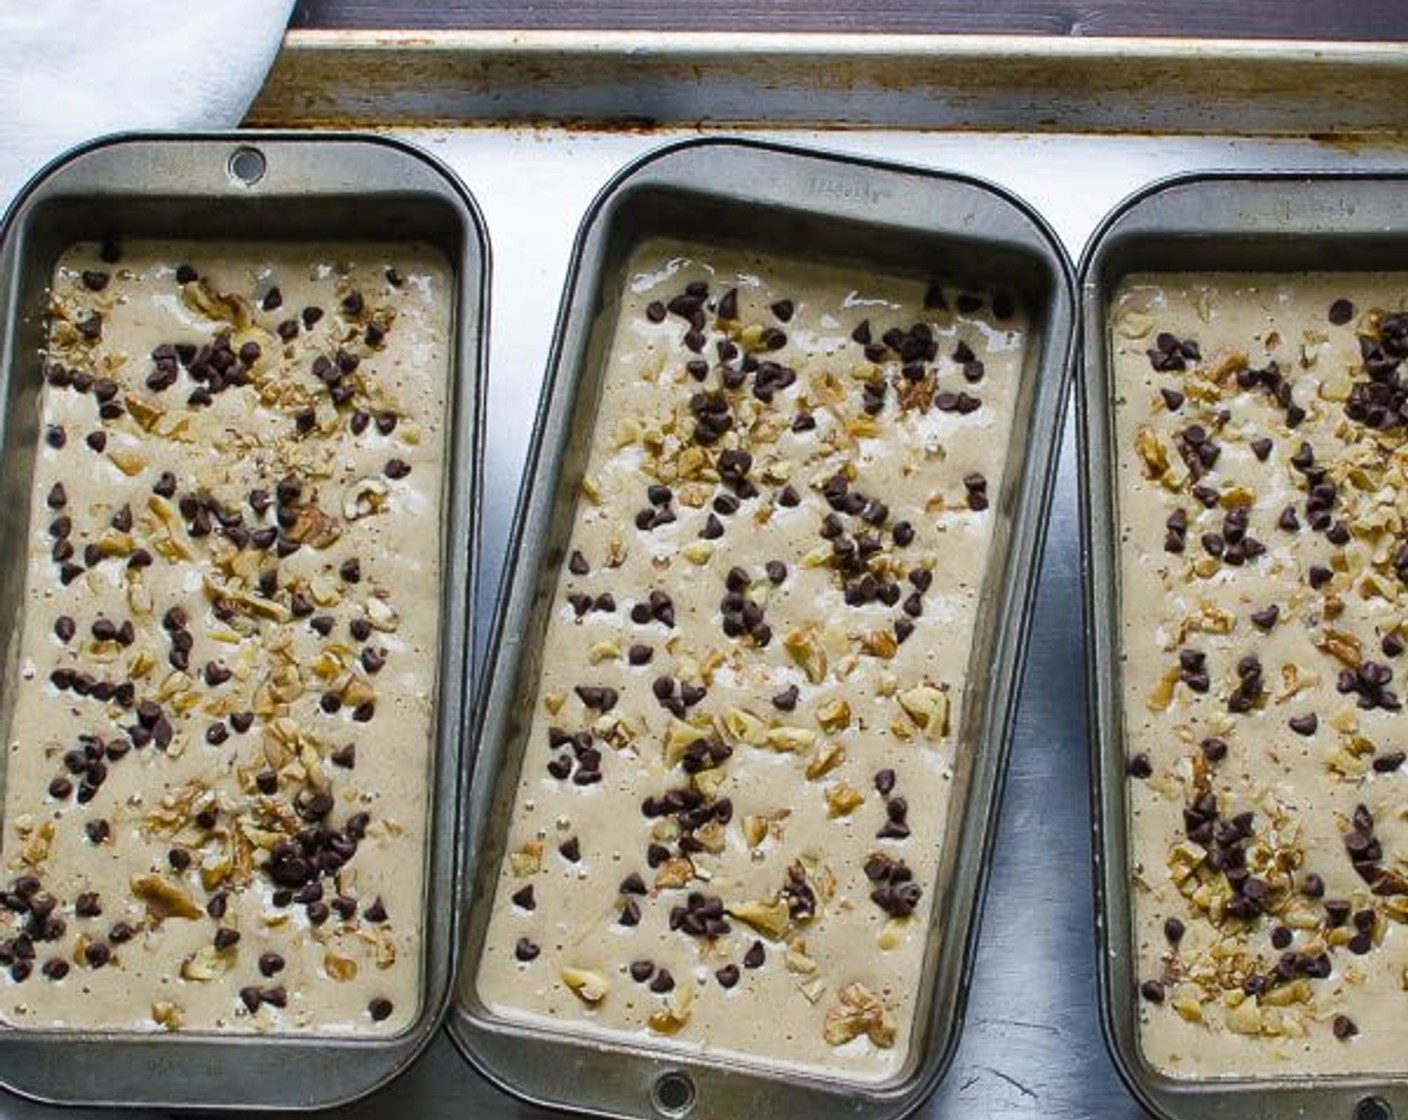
x=246 y=166
x=673 y=1094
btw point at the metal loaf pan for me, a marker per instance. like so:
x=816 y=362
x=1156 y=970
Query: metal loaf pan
x=262 y=188
x=818 y=207
x=1198 y=223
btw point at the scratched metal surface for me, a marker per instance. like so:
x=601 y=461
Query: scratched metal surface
x=1031 y=1047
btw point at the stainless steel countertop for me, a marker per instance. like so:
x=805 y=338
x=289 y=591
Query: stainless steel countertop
x=1031 y=1047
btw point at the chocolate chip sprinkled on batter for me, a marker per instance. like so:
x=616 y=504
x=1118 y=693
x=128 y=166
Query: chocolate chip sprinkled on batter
x=1265 y=618
x=786 y=700
x=55 y=968
x=1341 y=312
x=1140 y=766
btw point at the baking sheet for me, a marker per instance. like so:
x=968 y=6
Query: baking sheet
x=1031 y=1047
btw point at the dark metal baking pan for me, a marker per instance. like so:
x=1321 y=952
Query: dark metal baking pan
x=259 y=187
x=818 y=207
x=1202 y=223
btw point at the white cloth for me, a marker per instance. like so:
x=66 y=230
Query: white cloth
x=71 y=70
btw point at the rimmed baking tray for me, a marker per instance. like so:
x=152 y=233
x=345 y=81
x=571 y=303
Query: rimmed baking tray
x=819 y=207
x=1273 y=222
x=259 y=187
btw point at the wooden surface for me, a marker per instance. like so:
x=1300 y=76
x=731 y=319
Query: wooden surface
x=1369 y=20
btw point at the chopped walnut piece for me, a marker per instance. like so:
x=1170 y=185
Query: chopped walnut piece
x=805 y=649
x=586 y=984
x=927 y=706
x=164 y=898
x=857 y=1012
x=768 y=918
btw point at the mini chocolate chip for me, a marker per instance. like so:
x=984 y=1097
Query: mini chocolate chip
x=728 y=976
x=1337 y=912
x=1312 y=886
x=1140 y=766
x=786 y=700
x=1265 y=618
x=376 y=912
x=1152 y=990
x=1343 y=1026
x=1173 y=930
x=1341 y=312
x=97 y=954
x=1304 y=724
x=641 y=971
x=755 y=956
x=397 y=468
x=1389 y=762
x=526 y=950
x=216 y=734
x=639 y=654
x=663 y=982
x=226 y=938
